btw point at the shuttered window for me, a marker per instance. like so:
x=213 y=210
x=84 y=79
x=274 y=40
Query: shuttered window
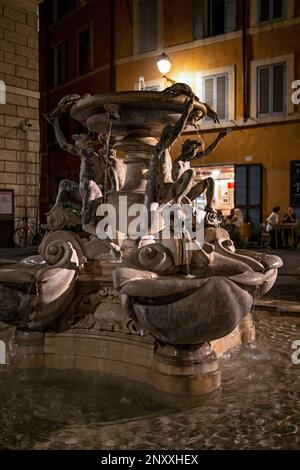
x=84 y=51
x=63 y=7
x=271 y=89
x=215 y=94
x=213 y=17
x=269 y=10
x=147 y=25
x=58 y=65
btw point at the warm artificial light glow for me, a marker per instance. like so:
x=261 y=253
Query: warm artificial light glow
x=163 y=63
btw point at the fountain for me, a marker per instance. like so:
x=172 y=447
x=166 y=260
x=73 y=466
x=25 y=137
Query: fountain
x=141 y=302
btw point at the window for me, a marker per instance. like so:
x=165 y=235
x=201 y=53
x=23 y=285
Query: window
x=2 y=92
x=63 y=7
x=271 y=89
x=213 y=17
x=147 y=25
x=248 y=192
x=84 y=51
x=269 y=10
x=150 y=85
x=215 y=94
x=295 y=184
x=58 y=65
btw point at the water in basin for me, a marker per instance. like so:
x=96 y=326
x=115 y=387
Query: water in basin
x=257 y=407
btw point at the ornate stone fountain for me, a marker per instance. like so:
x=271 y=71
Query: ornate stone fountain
x=152 y=308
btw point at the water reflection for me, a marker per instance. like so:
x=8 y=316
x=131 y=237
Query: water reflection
x=257 y=406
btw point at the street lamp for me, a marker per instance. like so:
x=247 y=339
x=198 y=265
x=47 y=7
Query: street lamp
x=164 y=65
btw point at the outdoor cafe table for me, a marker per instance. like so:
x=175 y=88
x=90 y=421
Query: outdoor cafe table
x=291 y=228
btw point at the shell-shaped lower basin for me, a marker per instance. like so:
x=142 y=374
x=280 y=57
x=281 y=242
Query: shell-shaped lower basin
x=211 y=311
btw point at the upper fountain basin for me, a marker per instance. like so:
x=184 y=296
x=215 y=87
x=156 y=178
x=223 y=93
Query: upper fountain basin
x=140 y=112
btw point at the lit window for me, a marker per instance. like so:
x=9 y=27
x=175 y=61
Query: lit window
x=2 y=352
x=2 y=92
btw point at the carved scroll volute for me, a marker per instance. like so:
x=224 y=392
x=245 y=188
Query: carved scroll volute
x=55 y=247
x=156 y=258
x=60 y=254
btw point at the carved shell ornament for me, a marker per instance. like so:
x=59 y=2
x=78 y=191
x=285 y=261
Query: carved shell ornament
x=156 y=258
x=59 y=253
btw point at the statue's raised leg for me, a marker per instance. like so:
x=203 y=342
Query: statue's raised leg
x=177 y=190
x=67 y=187
x=207 y=184
x=90 y=193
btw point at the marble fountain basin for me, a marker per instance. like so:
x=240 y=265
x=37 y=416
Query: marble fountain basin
x=199 y=307
x=142 y=113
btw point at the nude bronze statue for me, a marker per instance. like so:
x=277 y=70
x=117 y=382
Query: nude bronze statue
x=172 y=182
x=161 y=187
x=189 y=153
x=98 y=158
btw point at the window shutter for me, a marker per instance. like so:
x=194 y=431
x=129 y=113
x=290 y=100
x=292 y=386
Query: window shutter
x=279 y=9
x=147 y=24
x=240 y=185
x=264 y=90
x=230 y=15
x=61 y=63
x=278 y=88
x=84 y=51
x=51 y=69
x=198 y=19
x=284 y=8
x=254 y=196
x=221 y=96
x=209 y=91
x=264 y=10
x=248 y=192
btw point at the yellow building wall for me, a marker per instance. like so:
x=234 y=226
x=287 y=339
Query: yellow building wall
x=273 y=144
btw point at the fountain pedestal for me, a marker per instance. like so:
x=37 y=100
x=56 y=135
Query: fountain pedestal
x=190 y=370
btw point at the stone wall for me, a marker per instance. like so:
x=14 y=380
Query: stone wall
x=19 y=71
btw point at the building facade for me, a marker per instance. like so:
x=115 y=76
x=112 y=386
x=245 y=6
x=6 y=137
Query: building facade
x=19 y=116
x=240 y=56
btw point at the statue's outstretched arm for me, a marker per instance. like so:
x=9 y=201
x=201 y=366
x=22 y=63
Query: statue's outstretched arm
x=171 y=132
x=181 y=123
x=71 y=148
x=211 y=147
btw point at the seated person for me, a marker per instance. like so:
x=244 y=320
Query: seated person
x=229 y=217
x=237 y=220
x=288 y=218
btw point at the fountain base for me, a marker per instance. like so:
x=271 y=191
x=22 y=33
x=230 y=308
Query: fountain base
x=168 y=369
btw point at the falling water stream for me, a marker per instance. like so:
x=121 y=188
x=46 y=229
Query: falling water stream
x=257 y=407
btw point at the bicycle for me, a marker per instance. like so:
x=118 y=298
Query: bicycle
x=23 y=235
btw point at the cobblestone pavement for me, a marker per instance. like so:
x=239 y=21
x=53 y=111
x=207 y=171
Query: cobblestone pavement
x=287 y=286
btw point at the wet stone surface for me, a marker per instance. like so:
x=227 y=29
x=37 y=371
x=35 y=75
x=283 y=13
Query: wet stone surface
x=257 y=407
